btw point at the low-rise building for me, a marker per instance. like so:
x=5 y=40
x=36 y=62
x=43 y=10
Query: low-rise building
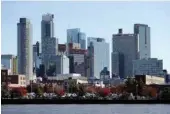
x=151 y=66
x=150 y=79
x=65 y=78
x=9 y=62
x=14 y=80
x=17 y=81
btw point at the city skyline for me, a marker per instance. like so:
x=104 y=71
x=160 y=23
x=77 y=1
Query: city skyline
x=96 y=26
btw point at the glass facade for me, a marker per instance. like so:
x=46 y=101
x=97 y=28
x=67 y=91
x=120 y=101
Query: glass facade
x=75 y=36
x=49 y=44
x=142 y=33
x=82 y=40
x=99 y=56
x=150 y=66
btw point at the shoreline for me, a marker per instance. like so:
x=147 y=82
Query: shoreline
x=77 y=101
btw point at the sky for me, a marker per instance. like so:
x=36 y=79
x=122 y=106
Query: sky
x=96 y=19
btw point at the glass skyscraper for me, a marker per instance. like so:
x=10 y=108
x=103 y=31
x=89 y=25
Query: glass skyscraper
x=142 y=33
x=75 y=36
x=49 y=43
x=98 y=54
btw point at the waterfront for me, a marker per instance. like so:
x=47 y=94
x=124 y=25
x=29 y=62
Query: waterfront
x=85 y=109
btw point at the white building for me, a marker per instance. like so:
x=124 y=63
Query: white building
x=150 y=66
x=76 y=77
x=142 y=33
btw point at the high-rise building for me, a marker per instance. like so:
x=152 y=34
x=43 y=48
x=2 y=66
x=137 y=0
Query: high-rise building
x=78 y=61
x=98 y=57
x=124 y=52
x=76 y=57
x=142 y=33
x=9 y=62
x=82 y=40
x=25 y=51
x=117 y=64
x=75 y=36
x=49 y=44
x=36 y=56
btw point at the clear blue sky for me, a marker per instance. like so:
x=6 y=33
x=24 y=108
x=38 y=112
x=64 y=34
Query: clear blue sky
x=96 y=19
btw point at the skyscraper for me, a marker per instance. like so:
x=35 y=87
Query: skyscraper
x=124 y=52
x=36 y=56
x=75 y=36
x=142 y=33
x=82 y=40
x=49 y=44
x=98 y=54
x=25 y=50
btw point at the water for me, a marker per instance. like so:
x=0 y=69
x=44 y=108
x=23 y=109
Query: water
x=85 y=109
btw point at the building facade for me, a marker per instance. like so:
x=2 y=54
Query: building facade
x=24 y=48
x=150 y=79
x=61 y=63
x=124 y=52
x=98 y=57
x=118 y=64
x=75 y=36
x=82 y=37
x=12 y=80
x=36 y=56
x=9 y=62
x=78 y=59
x=150 y=66
x=142 y=33
x=49 y=44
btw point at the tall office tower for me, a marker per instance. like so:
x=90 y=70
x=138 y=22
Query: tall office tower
x=49 y=44
x=75 y=36
x=98 y=55
x=142 y=33
x=38 y=48
x=117 y=64
x=82 y=40
x=124 y=52
x=25 y=51
x=36 y=56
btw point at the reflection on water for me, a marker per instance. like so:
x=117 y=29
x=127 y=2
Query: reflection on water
x=85 y=109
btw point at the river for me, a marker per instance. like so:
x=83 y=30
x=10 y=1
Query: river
x=86 y=109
